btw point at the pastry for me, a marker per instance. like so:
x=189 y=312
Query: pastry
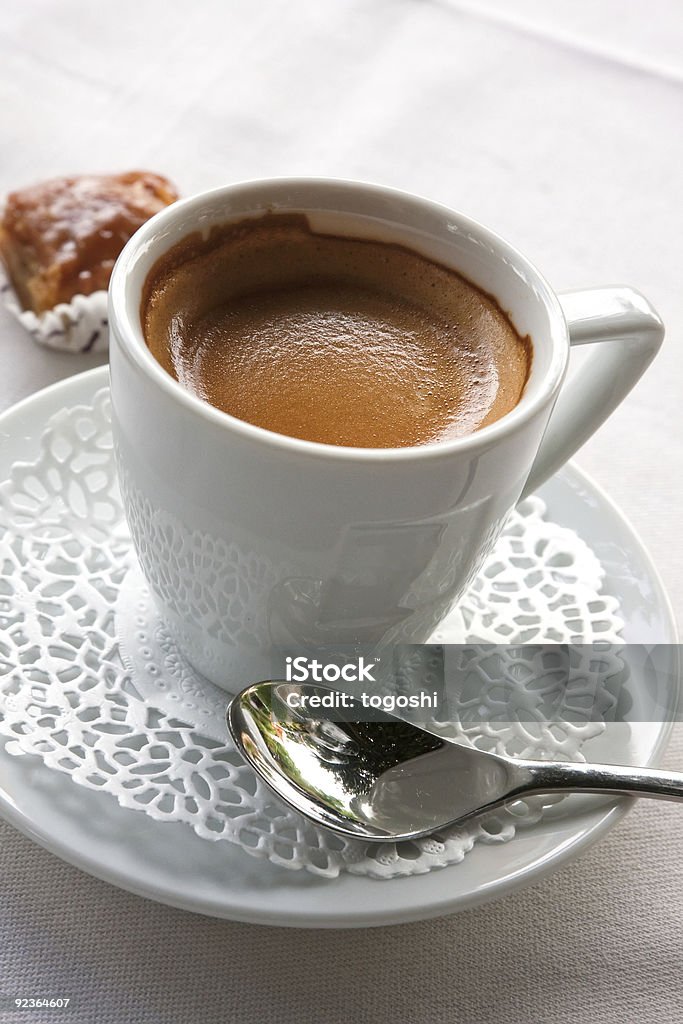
x=61 y=238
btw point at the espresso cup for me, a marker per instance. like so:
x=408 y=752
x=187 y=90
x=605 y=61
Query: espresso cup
x=252 y=541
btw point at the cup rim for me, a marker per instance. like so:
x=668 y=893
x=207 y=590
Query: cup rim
x=129 y=335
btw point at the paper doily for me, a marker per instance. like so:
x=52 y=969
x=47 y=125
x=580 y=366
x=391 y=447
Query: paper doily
x=139 y=725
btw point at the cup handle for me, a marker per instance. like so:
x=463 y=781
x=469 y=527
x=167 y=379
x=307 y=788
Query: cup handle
x=627 y=332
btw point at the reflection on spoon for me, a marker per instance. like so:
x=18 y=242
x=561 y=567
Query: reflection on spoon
x=382 y=779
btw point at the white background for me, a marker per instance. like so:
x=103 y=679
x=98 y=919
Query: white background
x=559 y=125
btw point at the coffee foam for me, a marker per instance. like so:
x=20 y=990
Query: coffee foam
x=332 y=339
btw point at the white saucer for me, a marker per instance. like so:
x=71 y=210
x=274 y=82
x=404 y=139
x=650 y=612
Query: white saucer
x=170 y=863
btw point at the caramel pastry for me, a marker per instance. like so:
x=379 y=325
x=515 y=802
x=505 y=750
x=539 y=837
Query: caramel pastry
x=61 y=238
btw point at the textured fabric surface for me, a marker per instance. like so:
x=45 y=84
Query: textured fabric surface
x=559 y=126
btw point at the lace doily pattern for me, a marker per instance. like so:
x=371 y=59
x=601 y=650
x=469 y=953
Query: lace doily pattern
x=94 y=685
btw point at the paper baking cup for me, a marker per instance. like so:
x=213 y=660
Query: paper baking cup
x=77 y=326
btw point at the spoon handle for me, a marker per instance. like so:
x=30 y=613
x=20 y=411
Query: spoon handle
x=605 y=778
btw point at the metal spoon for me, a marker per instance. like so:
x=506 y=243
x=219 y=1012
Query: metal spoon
x=386 y=780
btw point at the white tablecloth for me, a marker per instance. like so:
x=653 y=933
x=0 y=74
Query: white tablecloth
x=559 y=126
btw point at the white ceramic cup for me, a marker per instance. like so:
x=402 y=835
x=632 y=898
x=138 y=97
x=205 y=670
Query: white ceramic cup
x=252 y=541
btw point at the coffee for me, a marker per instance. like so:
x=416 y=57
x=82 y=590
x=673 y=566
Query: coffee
x=339 y=340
